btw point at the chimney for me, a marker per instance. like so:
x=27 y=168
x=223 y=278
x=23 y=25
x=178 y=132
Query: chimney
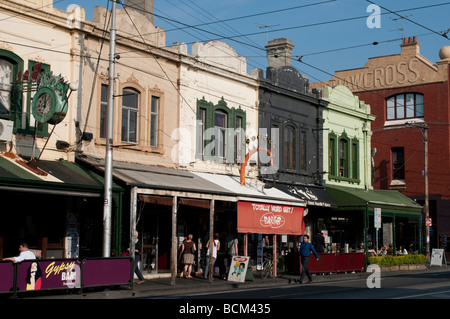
x=279 y=53
x=410 y=46
x=145 y=7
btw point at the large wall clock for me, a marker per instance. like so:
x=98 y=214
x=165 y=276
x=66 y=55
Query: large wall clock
x=48 y=106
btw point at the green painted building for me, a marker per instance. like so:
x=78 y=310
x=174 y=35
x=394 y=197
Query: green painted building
x=352 y=226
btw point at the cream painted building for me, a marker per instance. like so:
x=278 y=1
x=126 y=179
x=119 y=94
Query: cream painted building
x=34 y=33
x=145 y=88
x=216 y=93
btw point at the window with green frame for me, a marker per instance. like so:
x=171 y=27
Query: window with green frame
x=343 y=158
x=29 y=125
x=11 y=68
x=332 y=154
x=220 y=132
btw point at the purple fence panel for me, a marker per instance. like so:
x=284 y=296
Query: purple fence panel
x=6 y=276
x=42 y=274
x=106 y=271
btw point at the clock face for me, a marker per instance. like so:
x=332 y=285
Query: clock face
x=43 y=104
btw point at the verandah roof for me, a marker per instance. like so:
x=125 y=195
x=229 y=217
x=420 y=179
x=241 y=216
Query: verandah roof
x=391 y=202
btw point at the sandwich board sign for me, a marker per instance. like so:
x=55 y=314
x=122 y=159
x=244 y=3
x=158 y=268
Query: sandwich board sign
x=438 y=257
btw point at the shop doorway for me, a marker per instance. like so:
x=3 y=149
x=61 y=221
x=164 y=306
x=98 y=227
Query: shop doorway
x=154 y=227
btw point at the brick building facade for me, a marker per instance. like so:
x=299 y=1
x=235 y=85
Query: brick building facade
x=409 y=95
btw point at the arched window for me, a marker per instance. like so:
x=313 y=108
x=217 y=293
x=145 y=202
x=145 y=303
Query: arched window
x=130 y=115
x=220 y=137
x=289 y=147
x=404 y=106
x=343 y=157
x=220 y=132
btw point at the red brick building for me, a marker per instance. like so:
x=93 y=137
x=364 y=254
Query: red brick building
x=409 y=95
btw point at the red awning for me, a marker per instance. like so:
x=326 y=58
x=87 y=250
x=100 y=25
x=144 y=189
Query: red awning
x=261 y=218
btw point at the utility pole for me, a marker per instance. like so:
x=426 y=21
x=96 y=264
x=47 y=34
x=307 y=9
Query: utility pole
x=107 y=204
x=424 y=129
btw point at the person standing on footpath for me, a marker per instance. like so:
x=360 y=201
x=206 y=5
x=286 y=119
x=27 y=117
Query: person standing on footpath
x=137 y=259
x=188 y=250
x=305 y=252
x=216 y=247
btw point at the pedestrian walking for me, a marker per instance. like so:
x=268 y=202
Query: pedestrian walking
x=137 y=259
x=305 y=252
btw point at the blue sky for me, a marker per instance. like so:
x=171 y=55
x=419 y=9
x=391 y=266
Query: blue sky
x=329 y=35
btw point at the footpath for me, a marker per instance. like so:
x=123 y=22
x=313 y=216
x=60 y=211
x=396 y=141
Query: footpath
x=162 y=287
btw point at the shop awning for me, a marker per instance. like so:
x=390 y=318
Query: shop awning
x=157 y=180
x=313 y=196
x=56 y=177
x=260 y=209
x=178 y=181
x=254 y=190
x=391 y=202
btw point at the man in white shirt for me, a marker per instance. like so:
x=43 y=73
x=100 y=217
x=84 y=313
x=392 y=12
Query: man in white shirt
x=25 y=254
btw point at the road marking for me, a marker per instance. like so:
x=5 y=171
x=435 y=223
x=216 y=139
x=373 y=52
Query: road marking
x=422 y=295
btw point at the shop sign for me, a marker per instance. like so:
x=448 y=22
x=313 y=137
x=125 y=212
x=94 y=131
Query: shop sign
x=48 y=274
x=238 y=268
x=269 y=218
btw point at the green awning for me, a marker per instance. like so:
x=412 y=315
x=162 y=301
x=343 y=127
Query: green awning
x=391 y=202
x=62 y=178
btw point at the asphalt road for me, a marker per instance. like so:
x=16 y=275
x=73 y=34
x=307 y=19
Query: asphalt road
x=411 y=286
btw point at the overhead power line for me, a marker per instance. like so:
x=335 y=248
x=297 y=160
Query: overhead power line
x=407 y=19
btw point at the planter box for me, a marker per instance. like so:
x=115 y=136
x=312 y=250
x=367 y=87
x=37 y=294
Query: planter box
x=403 y=267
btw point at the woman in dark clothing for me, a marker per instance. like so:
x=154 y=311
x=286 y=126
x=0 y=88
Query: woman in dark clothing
x=187 y=253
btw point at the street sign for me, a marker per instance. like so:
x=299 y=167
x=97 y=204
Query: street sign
x=377 y=218
x=428 y=222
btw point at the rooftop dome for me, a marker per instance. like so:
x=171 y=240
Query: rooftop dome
x=444 y=53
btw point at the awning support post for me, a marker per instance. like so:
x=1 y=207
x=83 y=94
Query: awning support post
x=133 y=205
x=174 y=241
x=211 y=240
